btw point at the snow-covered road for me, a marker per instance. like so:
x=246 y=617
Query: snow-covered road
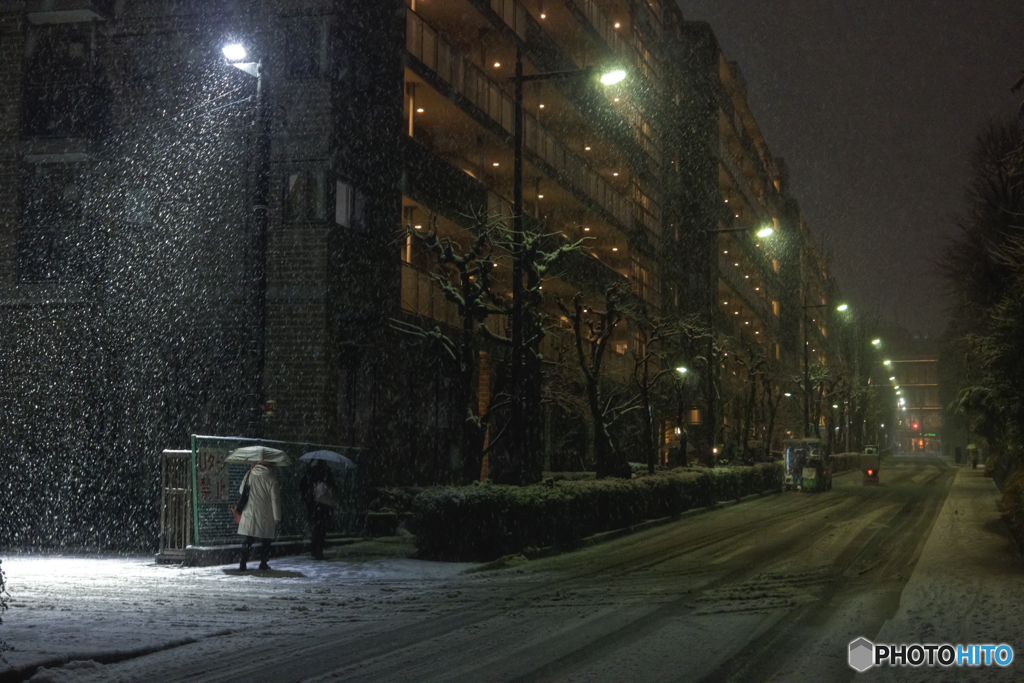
x=771 y=589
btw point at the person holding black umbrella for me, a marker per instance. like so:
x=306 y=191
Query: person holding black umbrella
x=319 y=493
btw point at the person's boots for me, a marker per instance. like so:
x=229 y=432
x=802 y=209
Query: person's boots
x=264 y=556
x=245 y=558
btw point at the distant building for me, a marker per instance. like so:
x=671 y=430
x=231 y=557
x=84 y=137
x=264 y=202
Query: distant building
x=917 y=424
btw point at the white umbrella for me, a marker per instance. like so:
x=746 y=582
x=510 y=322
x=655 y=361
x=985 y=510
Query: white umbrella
x=258 y=454
x=335 y=460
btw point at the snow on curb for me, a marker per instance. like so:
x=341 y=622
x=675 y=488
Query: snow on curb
x=965 y=588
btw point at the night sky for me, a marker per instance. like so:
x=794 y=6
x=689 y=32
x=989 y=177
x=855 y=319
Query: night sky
x=874 y=106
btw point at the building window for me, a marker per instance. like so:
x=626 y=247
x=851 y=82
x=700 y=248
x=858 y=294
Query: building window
x=53 y=234
x=349 y=206
x=304 y=197
x=304 y=47
x=63 y=92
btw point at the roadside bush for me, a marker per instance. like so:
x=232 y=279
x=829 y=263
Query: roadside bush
x=1012 y=504
x=845 y=461
x=485 y=521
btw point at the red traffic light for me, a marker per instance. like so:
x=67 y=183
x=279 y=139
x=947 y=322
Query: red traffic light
x=871 y=472
x=917 y=426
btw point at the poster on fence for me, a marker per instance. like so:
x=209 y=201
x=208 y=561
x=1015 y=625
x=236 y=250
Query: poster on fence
x=212 y=475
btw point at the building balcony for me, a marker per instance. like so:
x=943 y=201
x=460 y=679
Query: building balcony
x=489 y=99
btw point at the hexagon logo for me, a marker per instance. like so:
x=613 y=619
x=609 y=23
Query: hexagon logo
x=862 y=654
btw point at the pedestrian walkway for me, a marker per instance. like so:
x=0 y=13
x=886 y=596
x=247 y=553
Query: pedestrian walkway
x=965 y=589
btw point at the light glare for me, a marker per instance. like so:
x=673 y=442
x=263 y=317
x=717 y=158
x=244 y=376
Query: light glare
x=613 y=77
x=234 y=52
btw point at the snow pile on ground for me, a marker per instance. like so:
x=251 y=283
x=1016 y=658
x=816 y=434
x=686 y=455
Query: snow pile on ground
x=966 y=589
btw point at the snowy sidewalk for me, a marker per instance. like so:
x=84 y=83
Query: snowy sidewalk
x=966 y=588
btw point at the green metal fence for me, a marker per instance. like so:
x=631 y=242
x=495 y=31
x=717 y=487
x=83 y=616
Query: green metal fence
x=215 y=485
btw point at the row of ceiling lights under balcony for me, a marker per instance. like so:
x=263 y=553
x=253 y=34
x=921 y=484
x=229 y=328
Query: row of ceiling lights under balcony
x=746 y=276
x=745 y=314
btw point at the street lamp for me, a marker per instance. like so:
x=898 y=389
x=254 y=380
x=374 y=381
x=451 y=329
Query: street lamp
x=235 y=54
x=764 y=231
x=519 y=435
x=613 y=77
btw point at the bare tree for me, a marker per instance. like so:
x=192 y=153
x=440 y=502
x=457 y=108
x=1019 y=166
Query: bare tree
x=520 y=461
x=464 y=276
x=660 y=339
x=592 y=329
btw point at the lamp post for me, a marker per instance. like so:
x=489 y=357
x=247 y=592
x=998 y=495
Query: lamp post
x=681 y=371
x=236 y=54
x=807 y=378
x=763 y=232
x=519 y=432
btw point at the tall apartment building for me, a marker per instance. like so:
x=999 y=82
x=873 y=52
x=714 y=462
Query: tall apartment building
x=135 y=223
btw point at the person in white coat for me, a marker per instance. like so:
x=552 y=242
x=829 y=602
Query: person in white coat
x=262 y=513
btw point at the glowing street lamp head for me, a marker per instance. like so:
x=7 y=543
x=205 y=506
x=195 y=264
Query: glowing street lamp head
x=613 y=77
x=682 y=370
x=876 y=342
x=842 y=307
x=765 y=232
x=234 y=52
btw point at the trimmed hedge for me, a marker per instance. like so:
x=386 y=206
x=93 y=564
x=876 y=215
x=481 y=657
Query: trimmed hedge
x=484 y=521
x=842 y=462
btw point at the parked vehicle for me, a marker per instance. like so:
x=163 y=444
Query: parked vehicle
x=817 y=474
x=870 y=462
x=797 y=452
